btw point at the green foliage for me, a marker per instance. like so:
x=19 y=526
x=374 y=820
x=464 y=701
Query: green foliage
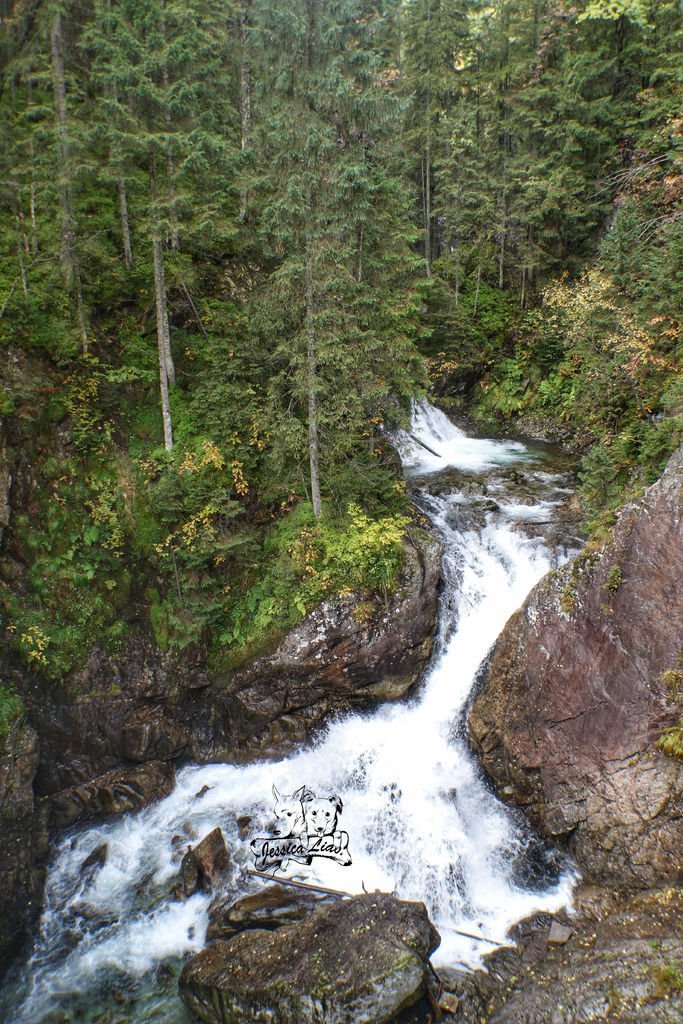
x=281 y=578
x=669 y=977
x=337 y=189
x=11 y=708
x=635 y=10
x=308 y=562
x=471 y=331
x=615 y=578
x=671 y=740
x=78 y=581
x=673 y=678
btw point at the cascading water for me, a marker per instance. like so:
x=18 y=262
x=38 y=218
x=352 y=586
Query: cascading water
x=421 y=819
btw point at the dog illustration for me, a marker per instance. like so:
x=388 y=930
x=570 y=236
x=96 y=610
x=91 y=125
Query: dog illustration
x=288 y=839
x=289 y=812
x=321 y=815
x=325 y=839
x=305 y=827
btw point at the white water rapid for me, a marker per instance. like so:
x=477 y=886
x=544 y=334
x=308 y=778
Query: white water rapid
x=421 y=819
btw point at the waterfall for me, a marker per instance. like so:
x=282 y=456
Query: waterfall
x=421 y=818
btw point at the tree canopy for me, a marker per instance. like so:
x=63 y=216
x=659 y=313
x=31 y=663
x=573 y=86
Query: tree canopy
x=238 y=237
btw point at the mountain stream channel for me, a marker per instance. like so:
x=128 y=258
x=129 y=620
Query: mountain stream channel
x=422 y=819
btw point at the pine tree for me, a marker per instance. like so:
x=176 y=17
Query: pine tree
x=157 y=66
x=331 y=212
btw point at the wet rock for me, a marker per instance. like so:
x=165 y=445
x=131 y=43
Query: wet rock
x=149 y=733
x=269 y=908
x=449 y=1003
x=559 y=934
x=576 y=695
x=360 y=961
x=203 y=865
x=190 y=880
x=621 y=966
x=95 y=917
x=348 y=653
x=96 y=859
x=112 y=793
x=212 y=856
x=615 y=968
x=178 y=844
x=23 y=838
x=113 y=710
x=244 y=823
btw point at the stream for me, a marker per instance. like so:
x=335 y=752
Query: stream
x=421 y=818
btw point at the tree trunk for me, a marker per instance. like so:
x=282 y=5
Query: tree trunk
x=71 y=271
x=163 y=326
x=125 y=225
x=427 y=204
x=476 y=291
x=245 y=98
x=32 y=186
x=21 y=250
x=311 y=380
x=32 y=211
x=501 y=259
x=170 y=170
x=163 y=341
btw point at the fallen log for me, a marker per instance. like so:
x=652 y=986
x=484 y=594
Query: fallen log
x=309 y=886
x=423 y=445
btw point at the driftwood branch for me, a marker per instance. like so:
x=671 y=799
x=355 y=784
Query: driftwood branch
x=423 y=445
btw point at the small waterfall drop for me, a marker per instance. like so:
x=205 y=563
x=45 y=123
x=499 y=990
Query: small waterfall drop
x=422 y=819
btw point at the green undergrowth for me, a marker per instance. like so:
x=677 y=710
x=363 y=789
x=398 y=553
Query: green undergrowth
x=621 y=409
x=297 y=564
x=669 y=979
x=597 y=362
x=180 y=539
x=11 y=708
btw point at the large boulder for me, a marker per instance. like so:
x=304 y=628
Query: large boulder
x=621 y=964
x=360 y=961
x=580 y=686
x=348 y=653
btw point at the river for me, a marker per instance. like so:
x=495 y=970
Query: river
x=421 y=818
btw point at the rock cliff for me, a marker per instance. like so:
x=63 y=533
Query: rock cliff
x=105 y=741
x=581 y=684
x=23 y=834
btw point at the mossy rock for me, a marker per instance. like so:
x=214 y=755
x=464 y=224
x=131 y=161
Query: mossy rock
x=360 y=961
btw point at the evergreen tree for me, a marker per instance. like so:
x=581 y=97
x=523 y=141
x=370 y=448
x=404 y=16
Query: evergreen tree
x=331 y=213
x=157 y=65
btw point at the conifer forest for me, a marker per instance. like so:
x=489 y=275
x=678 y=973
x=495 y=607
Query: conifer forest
x=240 y=239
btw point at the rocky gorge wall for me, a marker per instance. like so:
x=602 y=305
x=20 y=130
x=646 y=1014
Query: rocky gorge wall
x=581 y=684
x=106 y=741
